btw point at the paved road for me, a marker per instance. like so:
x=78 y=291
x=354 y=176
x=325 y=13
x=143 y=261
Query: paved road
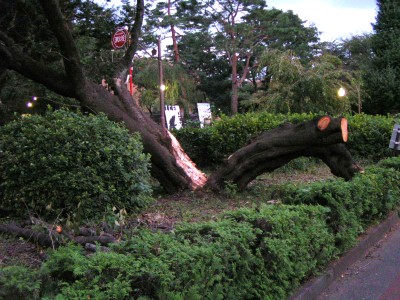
x=374 y=277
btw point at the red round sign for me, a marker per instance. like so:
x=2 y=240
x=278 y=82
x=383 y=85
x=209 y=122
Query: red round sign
x=119 y=38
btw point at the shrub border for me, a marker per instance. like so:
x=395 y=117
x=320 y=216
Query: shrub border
x=315 y=286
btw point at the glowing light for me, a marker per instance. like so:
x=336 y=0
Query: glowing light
x=341 y=92
x=29 y=104
x=34 y=98
x=162 y=87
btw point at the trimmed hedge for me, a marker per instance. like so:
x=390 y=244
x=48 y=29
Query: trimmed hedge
x=369 y=135
x=259 y=253
x=246 y=255
x=65 y=164
x=353 y=205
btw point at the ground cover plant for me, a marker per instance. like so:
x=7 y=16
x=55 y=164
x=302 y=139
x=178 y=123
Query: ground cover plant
x=257 y=244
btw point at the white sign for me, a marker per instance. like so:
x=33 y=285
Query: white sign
x=173 y=117
x=204 y=112
x=395 y=139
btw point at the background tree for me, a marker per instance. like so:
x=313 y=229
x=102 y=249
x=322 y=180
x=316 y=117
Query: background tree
x=162 y=16
x=356 y=54
x=199 y=56
x=294 y=87
x=237 y=33
x=382 y=81
x=181 y=89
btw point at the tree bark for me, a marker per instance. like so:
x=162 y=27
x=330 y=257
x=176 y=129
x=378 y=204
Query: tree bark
x=322 y=137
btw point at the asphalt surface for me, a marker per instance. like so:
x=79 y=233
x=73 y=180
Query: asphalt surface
x=370 y=270
x=375 y=276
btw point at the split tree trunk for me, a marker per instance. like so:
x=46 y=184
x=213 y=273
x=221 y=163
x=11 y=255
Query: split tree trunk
x=322 y=137
x=170 y=164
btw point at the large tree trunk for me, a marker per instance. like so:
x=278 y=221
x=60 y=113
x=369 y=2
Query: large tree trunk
x=170 y=164
x=322 y=137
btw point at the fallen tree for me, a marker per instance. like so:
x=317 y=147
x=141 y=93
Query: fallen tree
x=170 y=165
x=322 y=137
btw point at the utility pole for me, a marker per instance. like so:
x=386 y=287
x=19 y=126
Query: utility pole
x=161 y=85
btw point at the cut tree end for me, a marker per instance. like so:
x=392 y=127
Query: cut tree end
x=345 y=132
x=323 y=123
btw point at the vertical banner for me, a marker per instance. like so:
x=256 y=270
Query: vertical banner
x=204 y=110
x=173 y=117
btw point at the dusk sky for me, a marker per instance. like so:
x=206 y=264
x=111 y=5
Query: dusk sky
x=335 y=19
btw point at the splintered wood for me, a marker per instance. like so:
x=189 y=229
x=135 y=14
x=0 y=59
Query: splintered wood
x=345 y=132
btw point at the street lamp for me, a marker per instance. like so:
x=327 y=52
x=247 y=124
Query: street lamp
x=341 y=92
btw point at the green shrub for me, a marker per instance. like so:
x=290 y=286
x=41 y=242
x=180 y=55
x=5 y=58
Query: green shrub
x=336 y=196
x=72 y=275
x=376 y=193
x=210 y=145
x=249 y=254
x=197 y=144
x=66 y=164
x=368 y=139
x=369 y=136
x=252 y=253
x=353 y=205
x=294 y=242
x=392 y=162
x=17 y=282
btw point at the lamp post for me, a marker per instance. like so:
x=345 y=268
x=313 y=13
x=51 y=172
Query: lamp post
x=161 y=85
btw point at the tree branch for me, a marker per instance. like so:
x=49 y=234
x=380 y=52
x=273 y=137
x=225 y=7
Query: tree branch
x=126 y=62
x=13 y=58
x=245 y=69
x=52 y=238
x=66 y=42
